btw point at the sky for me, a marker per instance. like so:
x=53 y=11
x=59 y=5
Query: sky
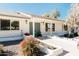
x=37 y=8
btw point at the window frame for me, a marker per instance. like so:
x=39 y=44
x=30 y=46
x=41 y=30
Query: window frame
x=5 y=24
x=9 y=24
x=47 y=27
x=65 y=27
x=53 y=26
x=18 y=25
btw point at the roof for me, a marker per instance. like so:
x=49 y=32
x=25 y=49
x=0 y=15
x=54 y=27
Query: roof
x=12 y=14
x=24 y=15
x=33 y=15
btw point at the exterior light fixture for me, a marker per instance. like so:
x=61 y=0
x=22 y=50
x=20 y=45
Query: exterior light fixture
x=26 y=21
x=42 y=22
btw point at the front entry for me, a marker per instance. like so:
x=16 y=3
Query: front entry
x=31 y=28
x=37 y=29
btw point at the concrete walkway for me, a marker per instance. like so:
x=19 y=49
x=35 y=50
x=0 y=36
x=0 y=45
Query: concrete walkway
x=67 y=44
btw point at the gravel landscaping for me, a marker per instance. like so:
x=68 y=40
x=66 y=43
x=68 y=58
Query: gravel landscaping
x=12 y=50
x=67 y=44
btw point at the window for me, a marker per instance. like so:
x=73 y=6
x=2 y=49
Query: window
x=15 y=25
x=65 y=27
x=53 y=27
x=47 y=25
x=5 y=24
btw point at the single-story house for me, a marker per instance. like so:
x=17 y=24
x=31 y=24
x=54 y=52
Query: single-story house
x=12 y=24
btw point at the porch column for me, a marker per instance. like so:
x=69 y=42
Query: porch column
x=10 y=24
x=33 y=28
x=0 y=24
x=51 y=28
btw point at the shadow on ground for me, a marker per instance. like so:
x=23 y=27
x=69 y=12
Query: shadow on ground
x=64 y=53
x=10 y=53
x=7 y=43
x=44 y=37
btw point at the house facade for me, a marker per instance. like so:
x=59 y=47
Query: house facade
x=47 y=26
x=15 y=23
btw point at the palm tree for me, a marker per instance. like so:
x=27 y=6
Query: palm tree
x=46 y=15
x=55 y=14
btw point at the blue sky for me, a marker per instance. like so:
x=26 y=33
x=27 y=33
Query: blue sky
x=37 y=8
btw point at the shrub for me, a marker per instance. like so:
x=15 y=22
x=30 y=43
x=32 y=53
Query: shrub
x=38 y=34
x=1 y=49
x=76 y=34
x=71 y=35
x=27 y=34
x=29 y=46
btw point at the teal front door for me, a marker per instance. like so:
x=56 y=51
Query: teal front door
x=37 y=29
x=31 y=28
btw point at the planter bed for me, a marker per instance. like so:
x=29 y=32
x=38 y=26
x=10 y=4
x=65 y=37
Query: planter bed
x=50 y=50
x=36 y=47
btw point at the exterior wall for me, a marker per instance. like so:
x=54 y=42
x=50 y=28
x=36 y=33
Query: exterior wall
x=12 y=32
x=42 y=21
x=59 y=27
x=24 y=26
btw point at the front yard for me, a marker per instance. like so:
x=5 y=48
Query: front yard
x=68 y=45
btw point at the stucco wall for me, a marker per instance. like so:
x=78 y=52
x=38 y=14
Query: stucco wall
x=58 y=25
x=12 y=32
x=24 y=26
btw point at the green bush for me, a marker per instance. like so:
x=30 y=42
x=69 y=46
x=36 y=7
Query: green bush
x=37 y=34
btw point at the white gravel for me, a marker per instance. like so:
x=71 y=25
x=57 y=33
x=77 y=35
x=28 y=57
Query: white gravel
x=67 y=45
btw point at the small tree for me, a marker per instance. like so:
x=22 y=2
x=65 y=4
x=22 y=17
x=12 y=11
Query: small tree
x=73 y=24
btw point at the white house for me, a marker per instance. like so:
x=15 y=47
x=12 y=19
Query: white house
x=28 y=23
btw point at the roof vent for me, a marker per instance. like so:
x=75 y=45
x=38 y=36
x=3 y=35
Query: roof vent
x=18 y=13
